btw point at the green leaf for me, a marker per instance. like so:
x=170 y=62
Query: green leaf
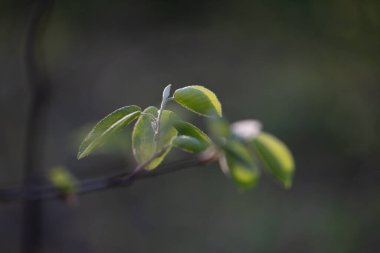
x=188 y=144
x=144 y=143
x=240 y=164
x=62 y=179
x=188 y=129
x=109 y=124
x=276 y=158
x=219 y=129
x=199 y=100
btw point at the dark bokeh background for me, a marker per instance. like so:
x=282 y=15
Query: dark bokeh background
x=308 y=69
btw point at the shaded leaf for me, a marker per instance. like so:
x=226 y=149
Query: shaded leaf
x=106 y=126
x=188 y=144
x=220 y=130
x=144 y=143
x=276 y=157
x=199 y=100
x=240 y=164
x=188 y=129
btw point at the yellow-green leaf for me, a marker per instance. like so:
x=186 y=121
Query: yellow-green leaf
x=144 y=141
x=276 y=157
x=62 y=179
x=240 y=164
x=199 y=100
x=109 y=124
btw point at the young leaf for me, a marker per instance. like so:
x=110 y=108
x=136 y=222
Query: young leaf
x=109 y=124
x=156 y=124
x=199 y=100
x=188 y=144
x=62 y=179
x=166 y=93
x=185 y=128
x=275 y=157
x=144 y=143
x=241 y=165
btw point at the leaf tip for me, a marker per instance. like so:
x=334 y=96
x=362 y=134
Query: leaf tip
x=80 y=156
x=166 y=92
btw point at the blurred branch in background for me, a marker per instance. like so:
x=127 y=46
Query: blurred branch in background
x=39 y=95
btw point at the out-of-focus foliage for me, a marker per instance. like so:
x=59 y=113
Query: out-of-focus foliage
x=276 y=157
x=62 y=179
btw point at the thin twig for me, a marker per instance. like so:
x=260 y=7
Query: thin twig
x=142 y=166
x=93 y=185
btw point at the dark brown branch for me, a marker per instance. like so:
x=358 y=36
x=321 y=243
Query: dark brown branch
x=92 y=185
x=39 y=94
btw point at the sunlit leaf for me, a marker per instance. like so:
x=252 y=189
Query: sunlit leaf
x=276 y=157
x=188 y=129
x=62 y=179
x=240 y=163
x=188 y=144
x=144 y=142
x=106 y=126
x=199 y=100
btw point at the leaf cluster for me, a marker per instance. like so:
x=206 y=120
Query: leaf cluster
x=241 y=148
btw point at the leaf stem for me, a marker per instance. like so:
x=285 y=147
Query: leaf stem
x=142 y=166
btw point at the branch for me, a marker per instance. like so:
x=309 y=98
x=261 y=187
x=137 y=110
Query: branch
x=118 y=180
x=39 y=94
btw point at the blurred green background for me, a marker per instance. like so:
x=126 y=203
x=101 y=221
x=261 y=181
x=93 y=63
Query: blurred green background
x=308 y=69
